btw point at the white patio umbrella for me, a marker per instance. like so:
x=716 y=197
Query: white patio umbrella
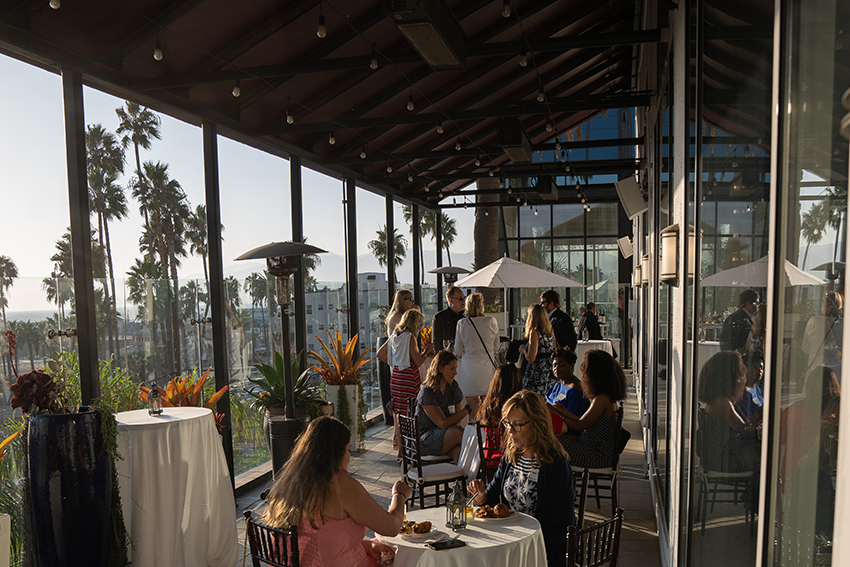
x=754 y=274
x=506 y=273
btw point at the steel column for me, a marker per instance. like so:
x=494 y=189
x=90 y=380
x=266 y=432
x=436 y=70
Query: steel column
x=417 y=247
x=351 y=258
x=297 y=211
x=439 y=238
x=78 y=198
x=390 y=250
x=217 y=301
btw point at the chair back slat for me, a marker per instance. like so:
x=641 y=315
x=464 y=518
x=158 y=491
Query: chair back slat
x=277 y=547
x=582 y=499
x=596 y=545
x=489 y=442
x=408 y=428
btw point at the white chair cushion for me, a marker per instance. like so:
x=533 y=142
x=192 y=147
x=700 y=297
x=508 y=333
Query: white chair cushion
x=431 y=459
x=435 y=472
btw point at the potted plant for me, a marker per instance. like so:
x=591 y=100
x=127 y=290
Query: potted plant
x=342 y=371
x=185 y=392
x=269 y=394
x=71 y=506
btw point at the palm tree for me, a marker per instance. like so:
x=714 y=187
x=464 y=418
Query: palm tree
x=427 y=225
x=449 y=233
x=311 y=262
x=28 y=335
x=8 y=274
x=142 y=292
x=257 y=286
x=379 y=247
x=196 y=236
x=813 y=226
x=138 y=126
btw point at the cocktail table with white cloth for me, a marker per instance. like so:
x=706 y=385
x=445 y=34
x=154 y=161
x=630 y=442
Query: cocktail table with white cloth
x=175 y=489
x=489 y=543
x=584 y=346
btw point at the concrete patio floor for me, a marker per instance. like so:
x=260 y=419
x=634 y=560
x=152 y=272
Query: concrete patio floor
x=377 y=470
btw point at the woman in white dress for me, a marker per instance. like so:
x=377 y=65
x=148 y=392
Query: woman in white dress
x=476 y=350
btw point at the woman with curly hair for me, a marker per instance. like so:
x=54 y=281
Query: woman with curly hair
x=331 y=510
x=439 y=430
x=534 y=475
x=604 y=384
x=727 y=441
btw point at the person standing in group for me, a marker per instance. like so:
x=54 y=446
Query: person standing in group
x=444 y=324
x=736 y=327
x=476 y=343
x=402 y=354
x=562 y=324
x=539 y=375
x=590 y=323
x=402 y=302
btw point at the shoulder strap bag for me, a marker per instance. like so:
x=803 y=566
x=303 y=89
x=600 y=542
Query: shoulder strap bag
x=490 y=358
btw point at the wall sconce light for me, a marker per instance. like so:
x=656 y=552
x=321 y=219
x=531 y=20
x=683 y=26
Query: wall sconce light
x=644 y=270
x=669 y=268
x=636 y=281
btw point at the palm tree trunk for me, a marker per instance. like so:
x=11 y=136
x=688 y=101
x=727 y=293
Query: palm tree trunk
x=106 y=297
x=449 y=256
x=486 y=235
x=6 y=370
x=113 y=317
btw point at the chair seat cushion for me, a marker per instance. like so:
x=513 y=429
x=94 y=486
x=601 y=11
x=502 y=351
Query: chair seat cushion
x=436 y=472
x=606 y=470
x=431 y=459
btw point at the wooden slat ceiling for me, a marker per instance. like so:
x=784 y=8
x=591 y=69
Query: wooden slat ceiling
x=581 y=53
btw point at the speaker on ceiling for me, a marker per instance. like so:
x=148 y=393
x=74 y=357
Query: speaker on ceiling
x=625 y=247
x=630 y=197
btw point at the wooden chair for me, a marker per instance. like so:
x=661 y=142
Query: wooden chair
x=419 y=474
x=426 y=459
x=608 y=475
x=596 y=545
x=271 y=546
x=490 y=448
x=581 y=492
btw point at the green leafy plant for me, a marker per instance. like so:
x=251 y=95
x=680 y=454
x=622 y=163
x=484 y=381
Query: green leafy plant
x=341 y=367
x=270 y=391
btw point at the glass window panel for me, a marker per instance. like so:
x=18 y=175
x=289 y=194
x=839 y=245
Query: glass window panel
x=568 y=220
x=602 y=219
x=534 y=221
x=509 y=219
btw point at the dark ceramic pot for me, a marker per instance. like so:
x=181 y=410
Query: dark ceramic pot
x=70 y=478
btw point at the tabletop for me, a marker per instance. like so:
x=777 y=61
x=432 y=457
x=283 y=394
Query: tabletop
x=489 y=543
x=584 y=346
x=175 y=489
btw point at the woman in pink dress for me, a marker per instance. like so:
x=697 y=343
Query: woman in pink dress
x=331 y=509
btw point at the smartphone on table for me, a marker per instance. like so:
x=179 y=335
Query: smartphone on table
x=449 y=544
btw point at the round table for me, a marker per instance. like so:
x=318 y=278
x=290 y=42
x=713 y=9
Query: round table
x=584 y=346
x=489 y=543
x=175 y=489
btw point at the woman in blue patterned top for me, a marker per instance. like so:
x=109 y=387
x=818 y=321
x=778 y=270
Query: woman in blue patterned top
x=534 y=476
x=439 y=432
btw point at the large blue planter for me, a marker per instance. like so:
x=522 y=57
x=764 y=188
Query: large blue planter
x=70 y=478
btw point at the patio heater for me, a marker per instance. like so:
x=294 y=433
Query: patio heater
x=282 y=262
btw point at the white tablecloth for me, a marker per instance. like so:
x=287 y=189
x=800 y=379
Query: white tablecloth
x=508 y=543
x=584 y=346
x=175 y=489
x=705 y=350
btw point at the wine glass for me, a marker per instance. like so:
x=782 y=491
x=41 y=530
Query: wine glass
x=447 y=344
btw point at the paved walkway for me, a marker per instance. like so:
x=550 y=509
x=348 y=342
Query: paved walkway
x=377 y=470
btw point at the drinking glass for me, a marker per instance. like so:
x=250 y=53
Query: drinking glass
x=447 y=344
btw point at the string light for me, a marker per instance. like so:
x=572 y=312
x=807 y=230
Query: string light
x=506 y=9
x=734 y=163
x=410 y=100
x=490 y=173
x=157 y=50
x=518 y=199
x=236 y=90
x=457 y=145
x=441 y=194
x=566 y=167
x=541 y=96
x=373 y=62
x=535 y=211
x=510 y=190
x=439 y=127
x=427 y=189
x=410 y=179
x=55 y=4
x=464 y=203
x=749 y=208
x=321 y=31
x=523 y=58
x=289 y=118
x=389 y=168
x=557 y=144
x=331 y=139
x=486 y=213
x=363 y=152
x=477 y=161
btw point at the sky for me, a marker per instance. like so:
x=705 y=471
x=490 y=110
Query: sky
x=254 y=191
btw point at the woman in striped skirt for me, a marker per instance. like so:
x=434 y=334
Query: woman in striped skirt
x=402 y=355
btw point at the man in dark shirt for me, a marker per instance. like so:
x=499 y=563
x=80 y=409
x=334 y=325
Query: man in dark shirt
x=736 y=327
x=591 y=323
x=444 y=323
x=562 y=324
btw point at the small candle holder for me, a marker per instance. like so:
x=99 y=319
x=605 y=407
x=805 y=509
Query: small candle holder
x=456 y=508
x=154 y=401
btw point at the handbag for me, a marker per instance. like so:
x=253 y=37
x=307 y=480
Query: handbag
x=490 y=358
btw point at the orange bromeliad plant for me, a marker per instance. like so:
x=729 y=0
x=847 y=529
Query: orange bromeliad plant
x=340 y=368
x=6 y=442
x=425 y=336
x=185 y=393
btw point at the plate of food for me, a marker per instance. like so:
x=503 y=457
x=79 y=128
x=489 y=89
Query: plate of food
x=497 y=513
x=422 y=531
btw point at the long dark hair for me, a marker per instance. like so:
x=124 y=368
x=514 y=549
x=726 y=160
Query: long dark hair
x=723 y=375
x=601 y=374
x=305 y=480
x=506 y=382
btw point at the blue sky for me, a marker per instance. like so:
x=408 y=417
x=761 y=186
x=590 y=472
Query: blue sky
x=254 y=189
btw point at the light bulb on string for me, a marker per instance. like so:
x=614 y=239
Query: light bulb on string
x=563 y=157
x=518 y=199
x=410 y=105
x=373 y=62
x=506 y=9
x=55 y=4
x=523 y=58
x=464 y=204
x=749 y=208
x=410 y=177
x=331 y=139
x=236 y=90
x=735 y=163
x=566 y=167
x=486 y=213
x=289 y=118
x=427 y=189
x=441 y=194
x=549 y=126
x=457 y=145
x=321 y=31
x=454 y=201
x=490 y=173
x=439 y=127
x=535 y=211
x=477 y=161
x=510 y=190
x=157 y=50
x=557 y=144
x=363 y=152
x=389 y=168
x=526 y=205
x=541 y=95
